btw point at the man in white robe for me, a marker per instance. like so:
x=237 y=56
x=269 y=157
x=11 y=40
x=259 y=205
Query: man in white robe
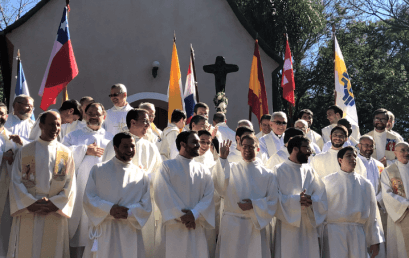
x=303 y=126
x=235 y=150
x=335 y=113
x=184 y=195
x=250 y=201
x=265 y=127
x=19 y=123
x=87 y=145
x=219 y=121
x=349 y=142
x=390 y=124
x=395 y=185
x=168 y=148
x=115 y=121
x=42 y=194
x=272 y=142
x=8 y=149
x=154 y=133
x=314 y=137
x=326 y=163
x=148 y=159
x=302 y=205
x=351 y=225
x=118 y=204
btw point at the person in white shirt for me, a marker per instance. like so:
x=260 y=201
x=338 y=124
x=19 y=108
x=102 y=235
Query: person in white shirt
x=219 y=121
x=314 y=137
x=235 y=150
x=84 y=102
x=335 y=113
x=303 y=126
x=154 y=133
x=19 y=123
x=349 y=142
x=244 y=122
x=351 y=228
x=197 y=123
x=265 y=126
x=272 y=142
x=115 y=121
x=390 y=125
x=118 y=204
x=168 y=148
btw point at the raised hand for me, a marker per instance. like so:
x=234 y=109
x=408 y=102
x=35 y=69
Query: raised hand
x=225 y=149
x=214 y=132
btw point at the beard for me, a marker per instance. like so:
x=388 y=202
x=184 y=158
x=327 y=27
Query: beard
x=337 y=145
x=2 y=122
x=193 y=152
x=302 y=158
x=24 y=114
x=93 y=122
x=380 y=126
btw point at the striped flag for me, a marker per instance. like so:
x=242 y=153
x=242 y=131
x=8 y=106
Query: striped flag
x=257 y=97
x=61 y=68
x=21 y=85
x=287 y=81
x=190 y=90
x=175 y=92
x=344 y=94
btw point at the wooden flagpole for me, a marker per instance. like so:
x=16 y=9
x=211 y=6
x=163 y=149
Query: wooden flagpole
x=65 y=90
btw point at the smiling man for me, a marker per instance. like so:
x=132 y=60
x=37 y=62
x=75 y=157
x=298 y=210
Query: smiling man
x=314 y=137
x=183 y=191
x=272 y=142
x=265 y=126
x=42 y=194
x=334 y=114
x=19 y=123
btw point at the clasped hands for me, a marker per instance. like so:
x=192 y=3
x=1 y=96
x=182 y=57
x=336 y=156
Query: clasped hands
x=305 y=199
x=119 y=212
x=42 y=207
x=188 y=219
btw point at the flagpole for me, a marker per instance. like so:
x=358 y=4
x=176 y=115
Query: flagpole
x=333 y=49
x=192 y=55
x=18 y=60
x=250 y=107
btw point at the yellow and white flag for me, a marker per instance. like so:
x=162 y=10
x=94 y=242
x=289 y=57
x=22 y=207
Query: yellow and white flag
x=175 y=92
x=345 y=96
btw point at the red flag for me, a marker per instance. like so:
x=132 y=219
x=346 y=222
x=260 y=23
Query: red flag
x=257 y=88
x=287 y=82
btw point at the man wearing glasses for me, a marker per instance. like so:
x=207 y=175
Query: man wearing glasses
x=115 y=121
x=19 y=123
x=385 y=141
x=272 y=142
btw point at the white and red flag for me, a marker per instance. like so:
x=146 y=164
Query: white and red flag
x=287 y=81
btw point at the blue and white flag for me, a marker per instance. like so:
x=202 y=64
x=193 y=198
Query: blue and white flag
x=21 y=85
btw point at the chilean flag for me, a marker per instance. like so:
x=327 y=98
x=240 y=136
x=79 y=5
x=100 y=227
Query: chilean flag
x=61 y=68
x=190 y=90
x=21 y=85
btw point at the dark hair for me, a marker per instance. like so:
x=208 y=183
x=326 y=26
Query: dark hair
x=265 y=117
x=243 y=129
x=183 y=137
x=291 y=132
x=2 y=105
x=341 y=152
x=381 y=111
x=219 y=117
x=119 y=136
x=347 y=124
x=200 y=105
x=196 y=119
x=71 y=103
x=296 y=141
x=95 y=104
x=134 y=114
x=337 y=110
x=43 y=116
x=86 y=98
x=249 y=137
x=204 y=132
x=177 y=114
x=305 y=111
x=340 y=127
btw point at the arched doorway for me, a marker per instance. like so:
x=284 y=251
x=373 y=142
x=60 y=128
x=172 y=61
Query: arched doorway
x=161 y=105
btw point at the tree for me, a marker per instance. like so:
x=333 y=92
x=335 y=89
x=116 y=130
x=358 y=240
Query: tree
x=12 y=10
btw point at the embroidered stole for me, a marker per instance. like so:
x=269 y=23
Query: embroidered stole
x=4 y=173
x=398 y=188
x=53 y=221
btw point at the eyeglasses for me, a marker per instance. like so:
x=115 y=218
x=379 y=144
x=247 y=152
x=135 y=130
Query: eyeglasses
x=94 y=114
x=26 y=105
x=367 y=146
x=280 y=123
x=115 y=94
x=383 y=120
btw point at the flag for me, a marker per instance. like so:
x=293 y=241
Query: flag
x=287 y=81
x=257 y=97
x=61 y=68
x=21 y=85
x=190 y=90
x=175 y=93
x=344 y=95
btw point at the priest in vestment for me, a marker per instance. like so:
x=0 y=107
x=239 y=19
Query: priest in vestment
x=272 y=142
x=326 y=163
x=115 y=121
x=314 y=137
x=8 y=149
x=395 y=185
x=167 y=147
x=350 y=140
x=87 y=145
x=303 y=126
x=390 y=124
x=184 y=195
x=302 y=205
x=265 y=127
x=250 y=201
x=235 y=149
x=20 y=123
x=335 y=113
x=351 y=228
x=42 y=195
x=154 y=133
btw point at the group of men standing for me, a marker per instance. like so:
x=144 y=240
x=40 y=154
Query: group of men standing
x=83 y=181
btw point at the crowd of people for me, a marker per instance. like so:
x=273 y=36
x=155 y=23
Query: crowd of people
x=83 y=181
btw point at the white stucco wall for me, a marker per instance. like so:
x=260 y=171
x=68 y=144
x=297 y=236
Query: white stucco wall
x=117 y=41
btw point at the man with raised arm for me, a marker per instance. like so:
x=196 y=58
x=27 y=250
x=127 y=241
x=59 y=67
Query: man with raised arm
x=42 y=194
x=118 y=204
x=183 y=192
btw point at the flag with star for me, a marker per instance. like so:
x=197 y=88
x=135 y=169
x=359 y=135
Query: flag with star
x=61 y=68
x=287 y=81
